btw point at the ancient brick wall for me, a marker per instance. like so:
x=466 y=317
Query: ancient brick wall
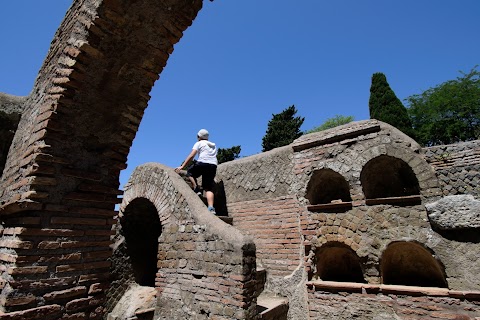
x=274 y=224
x=61 y=177
x=264 y=176
x=357 y=193
x=457 y=167
x=347 y=199
x=381 y=302
x=205 y=266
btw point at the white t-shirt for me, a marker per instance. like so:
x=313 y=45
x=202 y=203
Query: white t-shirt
x=207 y=151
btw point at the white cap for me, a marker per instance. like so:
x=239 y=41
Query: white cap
x=203 y=134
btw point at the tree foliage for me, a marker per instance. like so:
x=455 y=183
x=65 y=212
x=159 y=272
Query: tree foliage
x=385 y=106
x=228 y=154
x=282 y=129
x=449 y=112
x=333 y=122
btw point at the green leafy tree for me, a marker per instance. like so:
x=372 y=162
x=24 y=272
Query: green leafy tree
x=449 y=112
x=228 y=154
x=282 y=129
x=333 y=122
x=385 y=106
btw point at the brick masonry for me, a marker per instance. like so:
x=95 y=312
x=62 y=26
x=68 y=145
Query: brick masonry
x=204 y=265
x=457 y=167
x=370 y=228
x=62 y=243
x=60 y=183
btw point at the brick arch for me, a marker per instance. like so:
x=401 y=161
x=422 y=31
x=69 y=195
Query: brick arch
x=336 y=261
x=413 y=264
x=141 y=228
x=326 y=185
x=385 y=176
x=194 y=247
x=424 y=172
x=61 y=177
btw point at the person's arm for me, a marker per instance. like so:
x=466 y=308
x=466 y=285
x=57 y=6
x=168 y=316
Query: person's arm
x=187 y=160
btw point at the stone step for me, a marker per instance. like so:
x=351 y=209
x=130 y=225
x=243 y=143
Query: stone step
x=271 y=307
x=145 y=314
x=226 y=219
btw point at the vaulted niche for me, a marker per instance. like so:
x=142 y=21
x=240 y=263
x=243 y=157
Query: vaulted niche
x=410 y=264
x=328 y=190
x=389 y=180
x=141 y=228
x=336 y=261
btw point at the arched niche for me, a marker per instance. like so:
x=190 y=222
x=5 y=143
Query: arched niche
x=411 y=264
x=386 y=177
x=335 y=261
x=325 y=187
x=141 y=228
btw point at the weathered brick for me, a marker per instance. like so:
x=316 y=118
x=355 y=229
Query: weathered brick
x=65 y=294
x=27 y=270
x=39 y=313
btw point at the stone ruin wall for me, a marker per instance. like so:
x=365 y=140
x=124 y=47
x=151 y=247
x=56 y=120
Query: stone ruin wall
x=457 y=167
x=201 y=267
x=289 y=232
x=60 y=184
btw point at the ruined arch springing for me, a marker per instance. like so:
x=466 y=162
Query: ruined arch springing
x=326 y=186
x=141 y=228
x=411 y=264
x=386 y=177
x=335 y=261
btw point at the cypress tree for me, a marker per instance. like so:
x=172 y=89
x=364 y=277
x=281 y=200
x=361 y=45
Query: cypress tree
x=282 y=129
x=385 y=106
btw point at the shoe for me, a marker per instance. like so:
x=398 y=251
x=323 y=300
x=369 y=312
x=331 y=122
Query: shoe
x=197 y=191
x=212 y=210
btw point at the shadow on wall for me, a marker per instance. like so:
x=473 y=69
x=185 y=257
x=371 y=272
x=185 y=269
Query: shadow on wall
x=411 y=264
x=386 y=177
x=141 y=228
x=336 y=261
x=326 y=186
x=402 y=263
x=220 y=199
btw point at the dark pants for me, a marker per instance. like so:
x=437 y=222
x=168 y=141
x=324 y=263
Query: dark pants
x=207 y=171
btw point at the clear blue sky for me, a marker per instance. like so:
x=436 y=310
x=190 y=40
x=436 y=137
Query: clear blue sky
x=242 y=61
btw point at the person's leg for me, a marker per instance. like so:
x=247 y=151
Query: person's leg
x=193 y=181
x=193 y=173
x=208 y=176
x=210 y=198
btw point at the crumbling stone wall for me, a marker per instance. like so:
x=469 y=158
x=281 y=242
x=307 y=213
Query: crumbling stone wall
x=206 y=268
x=261 y=204
x=352 y=230
x=373 y=303
x=60 y=183
x=457 y=167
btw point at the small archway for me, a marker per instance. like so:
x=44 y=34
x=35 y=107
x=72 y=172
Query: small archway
x=411 y=264
x=335 y=261
x=141 y=228
x=387 y=177
x=326 y=186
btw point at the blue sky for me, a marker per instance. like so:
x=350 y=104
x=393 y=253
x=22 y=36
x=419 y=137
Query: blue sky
x=242 y=61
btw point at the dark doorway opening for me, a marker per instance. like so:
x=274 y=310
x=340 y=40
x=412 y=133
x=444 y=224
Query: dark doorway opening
x=141 y=228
